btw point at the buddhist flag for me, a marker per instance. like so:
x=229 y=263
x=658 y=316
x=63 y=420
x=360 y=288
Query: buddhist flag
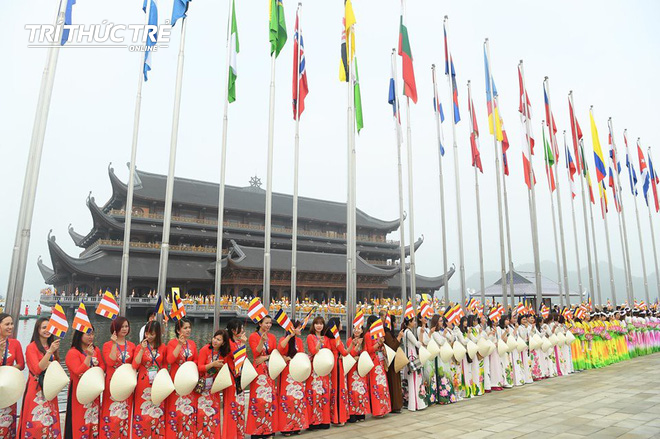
x=151 y=39
x=471 y=303
x=81 y=320
x=388 y=320
x=108 y=306
x=67 y=21
x=545 y=311
x=358 y=321
x=178 y=310
x=357 y=98
x=58 y=324
x=376 y=330
x=334 y=331
x=160 y=309
x=277 y=34
x=426 y=310
x=599 y=159
x=179 y=10
x=451 y=72
x=347 y=38
x=256 y=310
x=409 y=85
x=234 y=48
x=300 y=88
x=307 y=317
x=474 y=133
x=494 y=315
x=283 y=320
x=240 y=354
x=410 y=312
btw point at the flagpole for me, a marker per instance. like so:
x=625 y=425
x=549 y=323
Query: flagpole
x=631 y=291
x=223 y=176
x=575 y=235
x=169 y=190
x=532 y=198
x=438 y=129
x=641 y=242
x=508 y=237
x=655 y=252
x=593 y=239
x=476 y=190
x=411 y=222
x=457 y=178
x=555 y=145
x=398 y=135
x=500 y=181
x=128 y=211
x=350 y=218
x=580 y=150
x=26 y=210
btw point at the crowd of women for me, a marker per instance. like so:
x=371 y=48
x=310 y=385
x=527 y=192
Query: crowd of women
x=444 y=363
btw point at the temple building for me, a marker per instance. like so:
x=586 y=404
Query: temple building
x=321 y=245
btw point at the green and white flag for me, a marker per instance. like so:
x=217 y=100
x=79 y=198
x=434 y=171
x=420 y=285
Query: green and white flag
x=357 y=99
x=233 y=52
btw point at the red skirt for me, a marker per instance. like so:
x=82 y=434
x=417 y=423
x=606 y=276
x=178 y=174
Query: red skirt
x=318 y=397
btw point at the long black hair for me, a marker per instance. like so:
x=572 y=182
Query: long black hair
x=224 y=347
x=234 y=327
x=293 y=349
x=154 y=326
x=370 y=321
x=335 y=322
x=76 y=341
x=36 y=338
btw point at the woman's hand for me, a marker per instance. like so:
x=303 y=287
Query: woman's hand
x=54 y=346
x=113 y=337
x=90 y=350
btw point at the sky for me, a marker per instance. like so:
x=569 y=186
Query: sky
x=605 y=51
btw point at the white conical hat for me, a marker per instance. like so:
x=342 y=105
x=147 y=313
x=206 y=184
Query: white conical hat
x=123 y=382
x=502 y=347
x=472 y=349
x=459 y=351
x=248 y=373
x=222 y=379
x=349 y=362
x=186 y=378
x=532 y=342
x=561 y=339
x=446 y=352
x=400 y=360
x=512 y=343
x=553 y=339
x=162 y=387
x=538 y=341
x=391 y=354
x=365 y=364
x=570 y=338
x=324 y=361
x=300 y=367
x=491 y=347
x=424 y=354
x=483 y=347
x=55 y=380
x=276 y=364
x=12 y=384
x=546 y=345
x=433 y=348
x=91 y=385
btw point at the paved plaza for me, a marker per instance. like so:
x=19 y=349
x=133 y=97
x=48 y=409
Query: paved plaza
x=618 y=401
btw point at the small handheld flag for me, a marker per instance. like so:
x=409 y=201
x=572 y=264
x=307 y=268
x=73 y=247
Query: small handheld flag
x=240 y=355
x=178 y=310
x=410 y=312
x=283 y=320
x=108 y=306
x=307 y=317
x=358 y=321
x=256 y=310
x=81 y=320
x=376 y=330
x=388 y=320
x=334 y=331
x=58 y=324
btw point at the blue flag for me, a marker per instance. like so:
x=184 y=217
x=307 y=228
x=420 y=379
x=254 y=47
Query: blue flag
x=151 y=42
x=67 y=20
x=179 y=10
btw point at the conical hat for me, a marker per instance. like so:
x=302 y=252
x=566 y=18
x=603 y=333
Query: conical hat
x=553 y=339
x=324 y=361
x=483 y=347
x=512 y=342
x=12 y=384
x=561 y=339
x=546 y=345
x=91 y=385
x=472 y=349
x=532 y=342
x=491 y=347
x=222 y=379
x=365 y=364
x=538 y=340
x=162 y=387
x=400 y=360
x=446 y=352
x=424 y=354
x=248 y=373
x=521 y=344
x=300 y=367
x=55 y=380
x=459 y=351
x=349 y=362
x=276 y=364
x=186 y=378
x=433 y=348
x=391 y=354
x=502 y=347
x=123 y=382
x=570 y=338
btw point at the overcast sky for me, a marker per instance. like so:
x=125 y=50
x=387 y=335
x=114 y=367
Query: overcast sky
x=606 y=51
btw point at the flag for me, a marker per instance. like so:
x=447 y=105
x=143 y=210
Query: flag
x=277 y=34
x=179 y=10
x=643 y=172
x=614 y=155
x=240 y=354
x=409 y=85
x=160 y=309
x=598 y=152
x=388 y=320
x=545 y=311
x=654 y=182
x=307 y=317
x=334 y=331
x=358 y=321
x=632 y=175
x=256 y=311
x=151 y=41
x=549 y=162
x=394 y=102
x=525 y=116
x=357 y=99
x=437 y=109
x=347 y=35
x=494 y=125
x=57 y=324
x=612 y=185
x=81 y=320
x=425 y=309
x=520 y=309
x=178 y=311
x=471 y=303
x=67 y=21
x=376 y=330
x=474 y=133
x=587 y=175
x=576 y=134
x=234 y=48
x=550 y=122
x=410 y=312
x=108 y=306
x=494 y=314
x=449 y=70
x=300 y=88
x=570 y=166
x=283 y=320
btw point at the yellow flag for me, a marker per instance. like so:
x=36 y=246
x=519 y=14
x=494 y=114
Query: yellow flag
x=347 y=53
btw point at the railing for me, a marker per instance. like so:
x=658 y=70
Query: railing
x=154 y=245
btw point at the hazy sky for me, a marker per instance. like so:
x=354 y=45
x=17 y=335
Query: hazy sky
x=606 y=51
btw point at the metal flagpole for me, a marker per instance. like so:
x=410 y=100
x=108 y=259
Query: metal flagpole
x=575 y=236
x=26 y=210
x=476 y=190
x=631 y=291
x=655 y=252
x=641 y=242
x=499 y=177
x=438 y=128
x=532 y=199
x=223 y=176
x=350 y=225
x=593 y=239
x=555 y=146
x=123 y=284
x=578 y=147
x=548 y=171
x=508 y=241
x=457 y=176
x=169 y=190
x=398 y=134
x=411 y=222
